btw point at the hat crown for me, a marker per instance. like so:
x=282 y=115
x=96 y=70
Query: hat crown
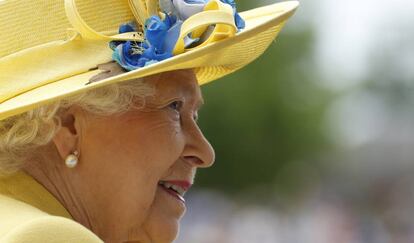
x=41 y=61
x=25 y=24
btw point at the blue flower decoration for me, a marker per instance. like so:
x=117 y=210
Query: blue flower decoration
x=128 y=27
x=158 y=45
x=161 y=37
x=156 y=31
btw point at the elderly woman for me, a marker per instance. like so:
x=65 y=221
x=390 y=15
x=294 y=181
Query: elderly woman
x=92 y=150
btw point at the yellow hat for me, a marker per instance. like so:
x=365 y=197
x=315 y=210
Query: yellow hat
x=50 y=49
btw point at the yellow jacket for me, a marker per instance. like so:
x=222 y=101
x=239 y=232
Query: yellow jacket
x=31 y=214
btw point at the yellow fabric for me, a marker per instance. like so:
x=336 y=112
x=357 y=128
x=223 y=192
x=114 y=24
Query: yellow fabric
x=88 y=33
x=218 y=13
x=30 y=214
x=42 y=60
x=135 y=6
x=151 y=7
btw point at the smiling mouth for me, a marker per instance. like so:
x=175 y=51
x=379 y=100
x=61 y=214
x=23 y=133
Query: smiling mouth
x=175 y=188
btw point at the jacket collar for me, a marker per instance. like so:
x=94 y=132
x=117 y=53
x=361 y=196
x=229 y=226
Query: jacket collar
x=25 y=188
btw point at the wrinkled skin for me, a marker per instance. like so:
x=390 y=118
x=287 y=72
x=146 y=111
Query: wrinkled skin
x=114 y=189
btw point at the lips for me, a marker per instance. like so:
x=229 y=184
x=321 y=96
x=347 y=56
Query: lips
x=176 y=188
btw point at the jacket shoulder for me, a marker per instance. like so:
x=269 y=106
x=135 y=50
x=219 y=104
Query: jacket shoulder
x=21 y=222
x=48 y=229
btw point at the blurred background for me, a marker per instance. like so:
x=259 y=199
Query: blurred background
x=314 y=140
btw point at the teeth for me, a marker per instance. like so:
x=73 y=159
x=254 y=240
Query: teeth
x=167 y=185
x=176 y=188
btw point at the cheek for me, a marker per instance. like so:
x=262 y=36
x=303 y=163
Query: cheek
x=132 y=156
x=159 y=138
x=149 y=142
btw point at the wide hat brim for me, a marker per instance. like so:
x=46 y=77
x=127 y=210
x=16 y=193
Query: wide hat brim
x=32 y=77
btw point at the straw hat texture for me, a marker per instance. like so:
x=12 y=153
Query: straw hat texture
x=50 y=49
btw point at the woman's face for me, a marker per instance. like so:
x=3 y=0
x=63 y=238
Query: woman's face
x=128 y=161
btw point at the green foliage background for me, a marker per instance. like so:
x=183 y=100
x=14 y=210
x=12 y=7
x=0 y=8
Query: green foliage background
x=265 y=117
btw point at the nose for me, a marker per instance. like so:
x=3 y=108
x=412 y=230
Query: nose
x=198 y=151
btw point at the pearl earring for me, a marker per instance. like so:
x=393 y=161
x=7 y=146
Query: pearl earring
x=72 y=159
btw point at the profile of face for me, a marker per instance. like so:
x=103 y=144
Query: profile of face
x=135 y=167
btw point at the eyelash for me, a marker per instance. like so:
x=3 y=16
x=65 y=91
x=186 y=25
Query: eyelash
x=177 y=105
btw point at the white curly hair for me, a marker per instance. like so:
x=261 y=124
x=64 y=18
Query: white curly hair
x=22 y=135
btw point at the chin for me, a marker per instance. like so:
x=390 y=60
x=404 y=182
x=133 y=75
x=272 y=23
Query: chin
x=163 y=222
x=169 y=232
x=165 y=232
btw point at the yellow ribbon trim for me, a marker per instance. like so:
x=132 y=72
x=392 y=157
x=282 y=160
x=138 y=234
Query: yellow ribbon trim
x=88 y=33
x=215 y=13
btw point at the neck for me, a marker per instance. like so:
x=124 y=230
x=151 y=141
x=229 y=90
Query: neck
x=56 y=181
x=55 y=177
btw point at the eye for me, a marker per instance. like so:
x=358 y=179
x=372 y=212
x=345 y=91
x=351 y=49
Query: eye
x=176 y=105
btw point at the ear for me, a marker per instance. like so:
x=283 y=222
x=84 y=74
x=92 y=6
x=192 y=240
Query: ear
x=66 y=138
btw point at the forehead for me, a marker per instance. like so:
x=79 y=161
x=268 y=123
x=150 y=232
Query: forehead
x=178 y=82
